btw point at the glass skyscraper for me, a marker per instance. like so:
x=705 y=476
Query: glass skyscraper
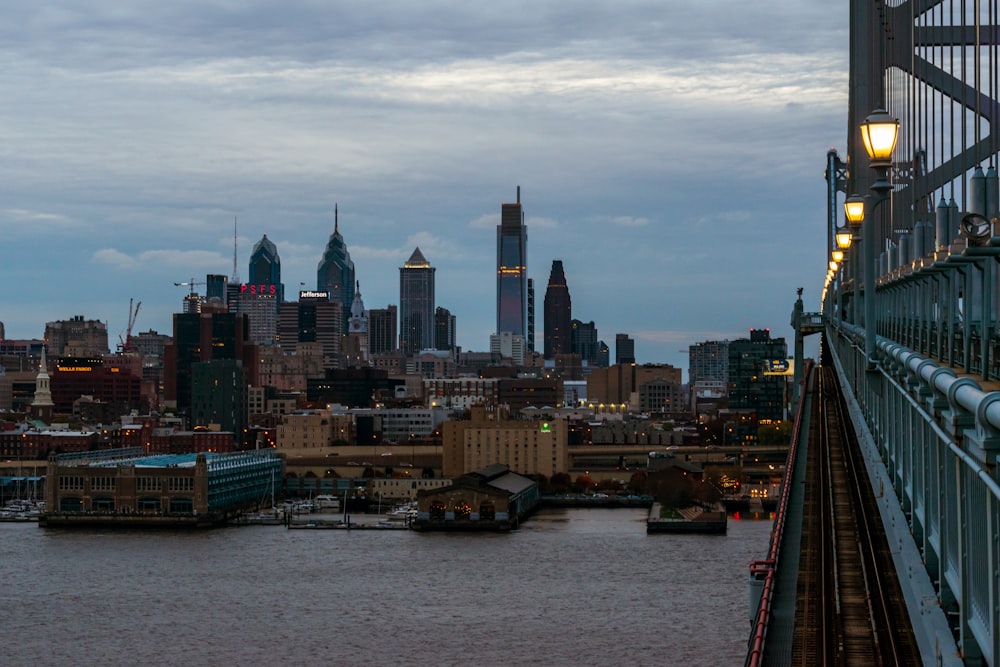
x=512 y=270
x=265 y=268
x=335 y=273
x=558 y=337
x=416 y=304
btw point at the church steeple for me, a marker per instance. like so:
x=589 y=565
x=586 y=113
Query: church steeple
x=41 y=404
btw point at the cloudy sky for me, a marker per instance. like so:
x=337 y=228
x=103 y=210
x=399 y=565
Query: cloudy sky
x=670 y=153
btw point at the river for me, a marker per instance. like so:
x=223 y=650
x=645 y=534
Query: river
x=570 y=587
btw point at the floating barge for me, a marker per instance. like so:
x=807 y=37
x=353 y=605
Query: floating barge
x=686 y=520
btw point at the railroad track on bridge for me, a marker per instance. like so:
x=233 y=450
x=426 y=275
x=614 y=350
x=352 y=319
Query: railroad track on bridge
x=849 y=610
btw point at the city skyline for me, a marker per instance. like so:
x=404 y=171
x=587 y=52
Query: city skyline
x=677 y=172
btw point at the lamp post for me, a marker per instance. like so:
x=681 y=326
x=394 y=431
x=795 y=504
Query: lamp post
x=878 y=133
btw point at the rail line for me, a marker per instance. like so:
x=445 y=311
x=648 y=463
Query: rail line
x=850 y=610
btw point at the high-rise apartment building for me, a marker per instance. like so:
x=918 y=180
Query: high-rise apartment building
x=512 y=270
x=708 y=363
x=751 y=387
x=558 y=337
x=624 y=349
x=416 y=304
x=382 y=330
x=335 y=273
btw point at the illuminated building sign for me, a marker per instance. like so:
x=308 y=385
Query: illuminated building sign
x=258 y=289
x=74 y=369
x=308 y=294
x=778 y=367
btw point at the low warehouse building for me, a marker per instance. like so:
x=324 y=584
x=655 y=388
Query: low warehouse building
x=493 y=498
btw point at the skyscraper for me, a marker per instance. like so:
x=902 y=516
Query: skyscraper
x=265 y=268
x=584 y=341
x=382 y=330
x=335 y=273
x=416 y=304
x=624 y=349
x=531 y=316
x=558 y=337
x=512 y=270
x=444 y=329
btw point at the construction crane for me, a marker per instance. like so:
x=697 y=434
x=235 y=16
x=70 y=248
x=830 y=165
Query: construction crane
x=190 y=283
x=125 y=343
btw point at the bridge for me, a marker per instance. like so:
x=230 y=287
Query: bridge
x=907 y=392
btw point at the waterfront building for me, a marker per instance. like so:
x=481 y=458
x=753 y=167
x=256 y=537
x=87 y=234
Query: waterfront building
x=491 y=498
x=558 y=337
x=512 y=270
x=335 y=273
x=624 y=349
x=752 y=388
x=124 y=487
x=490 y=435
x=76 y=337
x=416 y=304
x=403 y=488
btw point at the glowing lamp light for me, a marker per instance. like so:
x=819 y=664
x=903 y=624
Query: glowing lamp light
x=854 y=209
x=843 y=239
x=879 y=133
x=838 y=256
x=833 y=266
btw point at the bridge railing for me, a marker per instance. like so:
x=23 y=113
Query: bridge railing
x=937 y=434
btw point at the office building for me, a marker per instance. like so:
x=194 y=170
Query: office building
x=444 y=329
x=558 y=337
x=624 y=349
x=313 y=319
x=382 y=332
x=76 y=337
x=202 y=337
x=335 y=274
x=416 y=304
x=508 y=346
x=583 y=341
x=531 y=315
x=265 y=270
x=216 y=287
x=512 y=270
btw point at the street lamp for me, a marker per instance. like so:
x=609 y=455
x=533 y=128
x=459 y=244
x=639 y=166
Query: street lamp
x=879 y=132
x=843 y=238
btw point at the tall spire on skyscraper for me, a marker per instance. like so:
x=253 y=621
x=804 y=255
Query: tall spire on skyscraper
x=335 y=273
x=41 y=404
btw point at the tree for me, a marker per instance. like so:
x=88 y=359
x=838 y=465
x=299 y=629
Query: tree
x=560 y=482
x=637 y=482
